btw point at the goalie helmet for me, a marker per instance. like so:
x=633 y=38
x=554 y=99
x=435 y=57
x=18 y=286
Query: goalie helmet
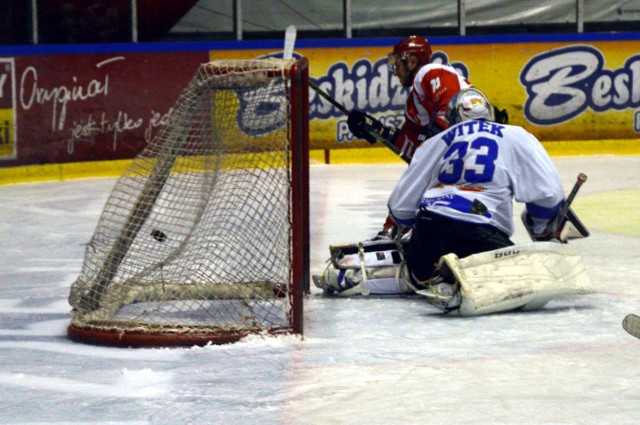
x=469 y=104
x=416 y=45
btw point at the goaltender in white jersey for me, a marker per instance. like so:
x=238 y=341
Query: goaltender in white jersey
x=457 y=196
x=479 y=162
x=459 y=188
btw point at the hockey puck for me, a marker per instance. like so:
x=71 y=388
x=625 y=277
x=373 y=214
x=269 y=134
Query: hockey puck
x=158 y=235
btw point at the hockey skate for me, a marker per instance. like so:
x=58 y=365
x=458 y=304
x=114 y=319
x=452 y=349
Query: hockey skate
x=442 y=290
x=442 y=295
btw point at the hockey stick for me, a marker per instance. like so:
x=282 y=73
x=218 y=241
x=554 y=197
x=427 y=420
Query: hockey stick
x=577 y=223
x=582 y=177
x=345 y=111
x=289 y=42
x=566 y=213
x=331 y=100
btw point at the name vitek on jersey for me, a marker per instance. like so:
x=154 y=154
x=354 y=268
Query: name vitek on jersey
x=471 y=127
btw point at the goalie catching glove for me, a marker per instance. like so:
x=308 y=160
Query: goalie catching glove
x=364 y=126
x=553 y=231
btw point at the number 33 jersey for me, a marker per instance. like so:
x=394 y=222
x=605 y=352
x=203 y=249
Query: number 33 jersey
x=472 y=172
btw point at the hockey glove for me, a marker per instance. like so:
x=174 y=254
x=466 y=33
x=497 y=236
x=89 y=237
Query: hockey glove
x=428 y=132
x=364 y=126
x=388 y=233
x=551 y=232
x=501 y=115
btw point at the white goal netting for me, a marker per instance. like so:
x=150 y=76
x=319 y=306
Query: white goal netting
x=196 y=241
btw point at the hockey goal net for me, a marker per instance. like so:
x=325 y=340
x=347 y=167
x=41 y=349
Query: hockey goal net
x=204 y=238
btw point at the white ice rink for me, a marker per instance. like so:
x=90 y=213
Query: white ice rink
x=362 y=361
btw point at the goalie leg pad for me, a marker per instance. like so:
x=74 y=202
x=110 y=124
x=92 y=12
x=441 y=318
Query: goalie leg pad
x=369 y=267
x=525 y=276
x=370 y=253
x=385 y=280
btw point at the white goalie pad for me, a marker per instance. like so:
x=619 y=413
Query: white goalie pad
x=386 y=280
x=524 y=277
x=364 y=268
x=368 y=254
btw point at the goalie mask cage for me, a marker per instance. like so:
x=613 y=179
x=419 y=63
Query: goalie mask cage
x=204 y=238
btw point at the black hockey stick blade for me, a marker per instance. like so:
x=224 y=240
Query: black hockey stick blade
x=631 y=324
x=577 y=223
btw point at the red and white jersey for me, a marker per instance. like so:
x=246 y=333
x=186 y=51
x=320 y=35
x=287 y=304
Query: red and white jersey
x=433 y=87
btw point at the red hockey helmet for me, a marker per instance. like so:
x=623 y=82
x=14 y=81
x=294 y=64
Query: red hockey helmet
x=416 y=45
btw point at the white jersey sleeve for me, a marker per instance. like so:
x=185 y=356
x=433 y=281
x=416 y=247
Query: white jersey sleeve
x=472 y=171
x=537 y=182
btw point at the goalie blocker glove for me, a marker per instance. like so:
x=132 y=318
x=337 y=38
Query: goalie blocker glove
x=551 y=233
x=364 y=126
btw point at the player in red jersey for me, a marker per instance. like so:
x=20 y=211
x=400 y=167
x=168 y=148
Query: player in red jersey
x=431 y=86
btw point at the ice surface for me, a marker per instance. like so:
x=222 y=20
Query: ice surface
x=362 y=361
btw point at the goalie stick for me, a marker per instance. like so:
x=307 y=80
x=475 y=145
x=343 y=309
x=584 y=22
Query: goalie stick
x=567 y=214
x=577 y=223
x=631 y=324
x=582 y=177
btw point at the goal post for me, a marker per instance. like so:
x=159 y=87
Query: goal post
x=205 y=236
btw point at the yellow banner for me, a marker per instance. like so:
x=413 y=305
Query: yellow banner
x=556 y=90
x=7 y=134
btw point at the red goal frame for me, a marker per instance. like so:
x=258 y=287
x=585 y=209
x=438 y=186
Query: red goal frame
x=298 y=136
